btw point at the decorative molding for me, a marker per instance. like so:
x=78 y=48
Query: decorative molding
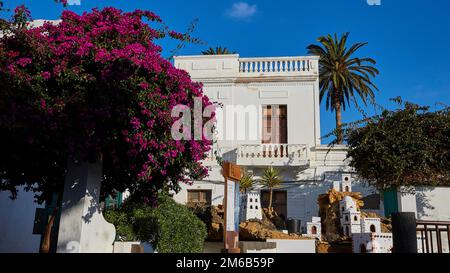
x=204 y=66
x=280 y=94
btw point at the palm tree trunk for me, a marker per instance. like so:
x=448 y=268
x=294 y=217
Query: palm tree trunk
x=270 y=200
x=339 y=134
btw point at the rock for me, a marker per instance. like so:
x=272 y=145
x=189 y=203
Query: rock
x=330 y=215
x=256 y=230
x=337 y=247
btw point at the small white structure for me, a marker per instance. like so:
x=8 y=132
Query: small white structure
x=348 y=204
x=314 y=228
x=350 y=216
x=372 y=243
x=351 y=222
x=346 y=183
x=251 y=206
x=370 y=225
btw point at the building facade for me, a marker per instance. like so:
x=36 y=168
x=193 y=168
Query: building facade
x=268 y=115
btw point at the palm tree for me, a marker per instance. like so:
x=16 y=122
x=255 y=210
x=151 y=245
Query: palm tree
x=218 y=51
x=246 y=182
x=271 y=179
x=342 y=75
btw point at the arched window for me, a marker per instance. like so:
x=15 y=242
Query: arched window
x=251 y=200
x=346 y=189
x=256 y=207
x=314 y=230
x=251 y=207
x=362 y=248
x=372 y=228
x=355 y=218
x=346 y=218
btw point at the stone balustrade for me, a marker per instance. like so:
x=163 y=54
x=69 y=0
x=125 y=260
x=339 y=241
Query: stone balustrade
x=212 y=67
x=273 y=154
x=281 y=65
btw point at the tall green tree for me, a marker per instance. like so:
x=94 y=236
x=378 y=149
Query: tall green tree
x=271 y=179
x=218 y=51
x=342 y=75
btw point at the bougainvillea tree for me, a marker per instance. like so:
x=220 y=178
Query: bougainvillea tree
x=406 y=147
x=94 y=88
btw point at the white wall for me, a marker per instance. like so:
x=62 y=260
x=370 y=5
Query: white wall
x=16 y=223
x=295 y=246
x=223 y=83
x=213 y=182
x=433 y=203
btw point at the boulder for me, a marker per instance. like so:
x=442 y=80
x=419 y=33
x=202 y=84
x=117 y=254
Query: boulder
x=257 y=230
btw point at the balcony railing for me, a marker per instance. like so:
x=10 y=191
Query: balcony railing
x=435 y=236
x=278 y=66
x=273 y=154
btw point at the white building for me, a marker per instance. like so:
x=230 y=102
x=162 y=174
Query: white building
x=250 y=206
x=269 y=116
x=314 y=228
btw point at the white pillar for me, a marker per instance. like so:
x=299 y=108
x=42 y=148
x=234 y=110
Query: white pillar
x=82 y=228
x=406 y=198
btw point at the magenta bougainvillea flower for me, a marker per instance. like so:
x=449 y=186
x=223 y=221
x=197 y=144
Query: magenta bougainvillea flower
x=94 y=87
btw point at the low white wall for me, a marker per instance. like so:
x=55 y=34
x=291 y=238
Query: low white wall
x=16 y=223
x=262 y=251
x=295 y=246
x=124 y=247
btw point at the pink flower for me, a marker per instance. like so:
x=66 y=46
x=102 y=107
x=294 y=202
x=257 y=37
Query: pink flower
x=46 y=75
x=24 y=62
x=144 y=85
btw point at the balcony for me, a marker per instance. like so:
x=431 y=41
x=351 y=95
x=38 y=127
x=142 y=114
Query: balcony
x=273 y=154
x=281 y=66
x=211 y=68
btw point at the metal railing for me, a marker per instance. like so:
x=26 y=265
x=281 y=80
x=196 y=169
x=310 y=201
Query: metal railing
x=433 y=234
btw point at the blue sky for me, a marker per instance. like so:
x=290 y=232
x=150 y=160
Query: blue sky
x=410 y=39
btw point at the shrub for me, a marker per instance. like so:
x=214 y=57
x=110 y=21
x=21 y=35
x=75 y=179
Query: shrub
x=170 y=227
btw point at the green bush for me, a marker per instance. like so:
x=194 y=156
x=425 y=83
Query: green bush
x=170 y=227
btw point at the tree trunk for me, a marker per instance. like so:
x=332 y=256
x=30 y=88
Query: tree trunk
x=270 y=200
x=339 y=133
x=45 y=246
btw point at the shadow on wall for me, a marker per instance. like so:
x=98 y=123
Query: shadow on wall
x=423 y=202
x=16 y=226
